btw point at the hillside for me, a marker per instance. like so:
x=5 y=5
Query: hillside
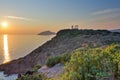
x=47 y=33
x=65 y=41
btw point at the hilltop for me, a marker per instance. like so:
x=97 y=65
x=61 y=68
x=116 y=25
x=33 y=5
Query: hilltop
x=65 y=41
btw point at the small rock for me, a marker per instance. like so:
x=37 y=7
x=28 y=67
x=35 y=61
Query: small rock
x=55 y=71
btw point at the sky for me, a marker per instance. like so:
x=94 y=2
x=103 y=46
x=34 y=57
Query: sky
x=34 y=16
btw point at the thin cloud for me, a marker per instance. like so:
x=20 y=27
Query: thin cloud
x=105 y=11
x=18 y=18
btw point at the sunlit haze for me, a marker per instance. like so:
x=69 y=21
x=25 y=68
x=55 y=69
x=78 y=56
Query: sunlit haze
x=4 y=24
x=34 y=16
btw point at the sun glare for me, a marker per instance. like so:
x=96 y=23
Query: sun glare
x=4 y=24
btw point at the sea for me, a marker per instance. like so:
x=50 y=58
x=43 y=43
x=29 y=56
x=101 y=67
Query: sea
x=16 y=46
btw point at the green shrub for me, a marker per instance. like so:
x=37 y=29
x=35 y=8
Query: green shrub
x=33 y=77
x=36 y=67
x=93 y=64
x=51 y=61
x=65 y=58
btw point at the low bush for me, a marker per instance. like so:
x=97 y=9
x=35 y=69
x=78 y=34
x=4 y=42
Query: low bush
x=36 y=67
x=33 y=77
x=51 y=61
x=65 y=58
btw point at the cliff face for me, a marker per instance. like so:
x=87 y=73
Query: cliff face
x=65 y=41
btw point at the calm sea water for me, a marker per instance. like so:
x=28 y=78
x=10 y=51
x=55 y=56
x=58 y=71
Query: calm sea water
x=16 y=46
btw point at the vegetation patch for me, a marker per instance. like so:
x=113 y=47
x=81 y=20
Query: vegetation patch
x=51 y=61
x=94 y=64
x=33 y=77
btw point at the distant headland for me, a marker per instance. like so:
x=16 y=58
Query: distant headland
x=47 y=33
x=115 y=30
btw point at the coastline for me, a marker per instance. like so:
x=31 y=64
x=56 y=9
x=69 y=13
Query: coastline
x=65 y=41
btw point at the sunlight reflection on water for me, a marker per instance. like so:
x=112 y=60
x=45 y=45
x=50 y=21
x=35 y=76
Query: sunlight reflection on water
x=6 y=49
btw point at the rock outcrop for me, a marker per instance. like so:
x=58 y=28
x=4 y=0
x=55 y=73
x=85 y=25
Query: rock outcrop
x=53 y=72
x=65 y=41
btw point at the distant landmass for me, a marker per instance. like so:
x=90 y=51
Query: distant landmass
x=47 y=33
x=116 y=30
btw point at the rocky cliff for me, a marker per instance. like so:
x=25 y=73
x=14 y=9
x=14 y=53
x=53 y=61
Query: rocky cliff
x=65 y=41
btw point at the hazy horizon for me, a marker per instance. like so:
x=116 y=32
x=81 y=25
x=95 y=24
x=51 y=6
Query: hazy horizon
x=34 y=16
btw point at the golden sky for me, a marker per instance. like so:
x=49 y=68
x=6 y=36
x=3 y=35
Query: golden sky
x=34 y=16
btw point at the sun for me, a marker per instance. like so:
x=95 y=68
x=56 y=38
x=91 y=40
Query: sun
x=4 y=24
